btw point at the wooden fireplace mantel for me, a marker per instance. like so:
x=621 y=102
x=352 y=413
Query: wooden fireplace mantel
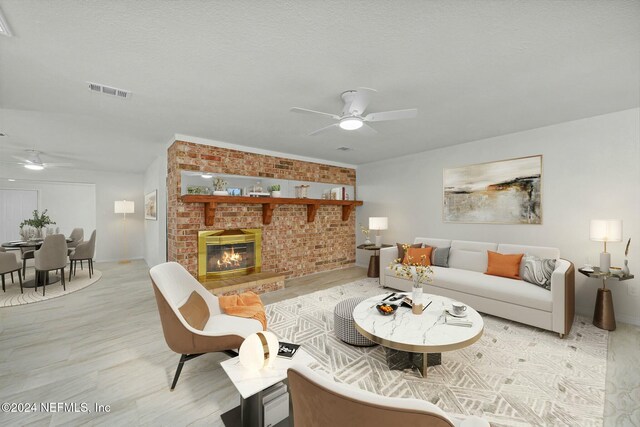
x=268 y=205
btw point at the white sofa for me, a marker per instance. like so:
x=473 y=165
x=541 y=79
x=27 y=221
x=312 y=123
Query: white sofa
x=464 y=280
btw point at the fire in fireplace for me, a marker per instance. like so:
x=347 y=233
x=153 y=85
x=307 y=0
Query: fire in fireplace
x=224 y=253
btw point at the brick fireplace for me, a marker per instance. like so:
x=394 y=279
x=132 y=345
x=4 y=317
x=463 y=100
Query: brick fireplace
x=291 y=245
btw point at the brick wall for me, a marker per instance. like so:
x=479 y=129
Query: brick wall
x=289 y=244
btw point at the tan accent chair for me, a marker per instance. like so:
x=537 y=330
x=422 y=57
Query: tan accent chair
x=192 y=321
x=76 y=237
x=318 y=401
x=52 y=255
x=9 y=264
x=85 y=251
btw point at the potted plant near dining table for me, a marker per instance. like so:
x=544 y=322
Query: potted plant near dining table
x=38 y=222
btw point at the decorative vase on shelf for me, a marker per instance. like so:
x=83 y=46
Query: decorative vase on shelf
x=625 y=269
x=276 y=194
x=416 y=294
x=220 y=193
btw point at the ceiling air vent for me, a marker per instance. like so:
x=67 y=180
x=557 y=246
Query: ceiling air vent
x=344 y=149
x=108 y=90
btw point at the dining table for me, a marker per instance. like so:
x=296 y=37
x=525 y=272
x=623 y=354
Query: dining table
x=36 y=244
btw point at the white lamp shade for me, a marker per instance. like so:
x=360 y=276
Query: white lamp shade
x=378 y=223
x=259 y=350
x=123 y=206
x=605 y=230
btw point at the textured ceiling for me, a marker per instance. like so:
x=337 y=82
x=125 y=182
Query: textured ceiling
x=230 y=71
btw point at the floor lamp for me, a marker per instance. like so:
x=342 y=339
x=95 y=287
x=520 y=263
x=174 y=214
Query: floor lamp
x=124 y=207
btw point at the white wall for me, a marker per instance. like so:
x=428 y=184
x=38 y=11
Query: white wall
x=70 y=205
x=109 y=187
x=591 y=170
x=155 y=232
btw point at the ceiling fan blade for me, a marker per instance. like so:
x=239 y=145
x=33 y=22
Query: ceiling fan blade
x=391 y=115
x=367 y=130
x=324 y=129
x=307 y=111
x=361 y=100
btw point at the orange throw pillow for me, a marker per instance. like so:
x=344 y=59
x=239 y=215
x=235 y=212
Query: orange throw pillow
x=504 y=265
x=420 y=256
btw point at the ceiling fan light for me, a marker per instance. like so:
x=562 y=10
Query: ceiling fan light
x=350 y=123
x=34 y=167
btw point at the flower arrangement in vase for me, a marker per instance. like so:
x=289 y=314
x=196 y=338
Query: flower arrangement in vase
x=625 y=269
x=39 y=222
x=219 y=189
x=409 y=268
x=365 y=232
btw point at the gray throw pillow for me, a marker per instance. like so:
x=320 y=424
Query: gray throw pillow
x=440 y=257
x=538 y=271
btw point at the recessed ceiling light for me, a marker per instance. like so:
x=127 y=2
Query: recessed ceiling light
x=11 y=180
x=351 y=123
x=34 y=167
x=4 y=28
x=206 y=175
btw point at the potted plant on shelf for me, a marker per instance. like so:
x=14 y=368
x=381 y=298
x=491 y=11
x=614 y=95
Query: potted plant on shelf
x=275 y=190
x=219 y=189
x=38 y=222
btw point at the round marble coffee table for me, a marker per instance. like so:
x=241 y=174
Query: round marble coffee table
x=416 y=340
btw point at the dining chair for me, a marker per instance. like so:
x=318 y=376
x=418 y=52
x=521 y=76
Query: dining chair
x=76 y=237
x=9 y=264
x=85 y=251
x=26 y=253
x=52 y=255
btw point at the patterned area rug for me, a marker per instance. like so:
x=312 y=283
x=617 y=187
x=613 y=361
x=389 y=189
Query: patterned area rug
x=12 y=296
x=515 y=375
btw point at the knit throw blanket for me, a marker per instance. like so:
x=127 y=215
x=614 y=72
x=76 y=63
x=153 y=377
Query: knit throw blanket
x=247 y=304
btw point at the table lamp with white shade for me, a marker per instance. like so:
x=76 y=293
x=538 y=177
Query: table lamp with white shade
x=605 y=230
x=124 y=207
x=378 y=223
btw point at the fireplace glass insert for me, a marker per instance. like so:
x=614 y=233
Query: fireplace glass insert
x=225 y=253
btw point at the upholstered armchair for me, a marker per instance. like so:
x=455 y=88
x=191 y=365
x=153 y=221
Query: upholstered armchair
x=84 y=251
x=26 y=253
x=76 y=237
x=9 y=264
x=52 y=255
x=319 y=401
x=191 y=319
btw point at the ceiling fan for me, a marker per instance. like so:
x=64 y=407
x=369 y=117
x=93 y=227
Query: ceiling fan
x=31 y=160
x=352 y=116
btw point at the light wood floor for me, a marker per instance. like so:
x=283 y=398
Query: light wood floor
x=104 y=345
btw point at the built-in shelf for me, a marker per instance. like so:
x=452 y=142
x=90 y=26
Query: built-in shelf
x=268 y=205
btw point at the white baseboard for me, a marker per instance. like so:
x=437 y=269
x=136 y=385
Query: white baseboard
x=118 y=259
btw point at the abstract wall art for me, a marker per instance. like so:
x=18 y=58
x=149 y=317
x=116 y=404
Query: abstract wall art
x=501 y=192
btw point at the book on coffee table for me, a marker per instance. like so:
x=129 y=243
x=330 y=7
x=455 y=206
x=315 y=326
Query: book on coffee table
x=287 y=350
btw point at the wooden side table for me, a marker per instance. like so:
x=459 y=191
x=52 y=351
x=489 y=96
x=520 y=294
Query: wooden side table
x=603 y=314
x=374 y=261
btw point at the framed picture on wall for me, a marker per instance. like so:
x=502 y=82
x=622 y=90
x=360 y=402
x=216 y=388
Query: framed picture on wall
x=151 y=205
x=501 y=192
